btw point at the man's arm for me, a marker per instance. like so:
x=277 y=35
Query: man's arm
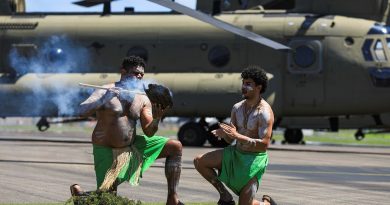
x=265 y=132
x=95 y=101
x=150 y=118
x=221 y=134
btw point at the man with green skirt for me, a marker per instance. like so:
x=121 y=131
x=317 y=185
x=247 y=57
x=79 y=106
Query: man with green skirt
x=242 y=164
x=119 y=153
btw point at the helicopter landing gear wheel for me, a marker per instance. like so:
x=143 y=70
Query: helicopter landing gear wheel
x=192 y=134
x=359 y=135
x=293 y=136
x=43 y=124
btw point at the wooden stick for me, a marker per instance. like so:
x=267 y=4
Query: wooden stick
x=93 y=86
x=104 y=88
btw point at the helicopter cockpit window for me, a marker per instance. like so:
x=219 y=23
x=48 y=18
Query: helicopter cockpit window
x=379 y=51
x=219 y=56
x=366 y=50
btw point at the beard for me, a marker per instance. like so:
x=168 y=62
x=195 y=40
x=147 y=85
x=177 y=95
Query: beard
x=131 y=83
x=130 y=79
x=244 y=92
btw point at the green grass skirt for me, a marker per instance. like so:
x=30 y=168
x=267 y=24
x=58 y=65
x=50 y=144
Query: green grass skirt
x=149 y=147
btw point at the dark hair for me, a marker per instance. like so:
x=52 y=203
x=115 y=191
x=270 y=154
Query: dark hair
x=132 y=61
x=257 y=74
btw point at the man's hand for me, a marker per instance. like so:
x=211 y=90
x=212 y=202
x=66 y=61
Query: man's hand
x=126 y=95
x=120 y=93
x=110 y=93
x=218 y=133
x=151 y=119
x=159 y=94
x=157 y=111
x=229 y=130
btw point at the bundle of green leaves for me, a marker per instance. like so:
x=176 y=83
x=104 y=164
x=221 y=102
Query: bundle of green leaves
x=101 y=198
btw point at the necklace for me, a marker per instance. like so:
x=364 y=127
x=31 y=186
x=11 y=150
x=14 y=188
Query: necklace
x=248 y=112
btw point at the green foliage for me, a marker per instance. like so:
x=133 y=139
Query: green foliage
x=105 y=198
x=345 y=136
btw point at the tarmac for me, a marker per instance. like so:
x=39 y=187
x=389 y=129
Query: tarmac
x=40 y=168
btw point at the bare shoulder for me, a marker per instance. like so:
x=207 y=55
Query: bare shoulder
x=142 y=100
x=239 y=104
x=265 y=104
x=266 y=111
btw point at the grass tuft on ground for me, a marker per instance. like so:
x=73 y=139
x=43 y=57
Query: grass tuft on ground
x=105 y=198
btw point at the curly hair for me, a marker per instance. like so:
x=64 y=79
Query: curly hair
x=132 y=61
x=257 y=74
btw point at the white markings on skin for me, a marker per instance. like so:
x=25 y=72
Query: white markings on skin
x=247 y=87
x=140 y=69
x=265 y=118
x=253 y=190
x=251 y=142
x=172 y=172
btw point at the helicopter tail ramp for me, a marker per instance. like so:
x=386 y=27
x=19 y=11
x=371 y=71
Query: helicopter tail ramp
x=7 y=7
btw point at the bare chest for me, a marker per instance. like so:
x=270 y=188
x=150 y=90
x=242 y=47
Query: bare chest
x=123 y=108
x=249 y=121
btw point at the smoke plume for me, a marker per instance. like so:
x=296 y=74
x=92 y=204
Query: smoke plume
x=58 y=54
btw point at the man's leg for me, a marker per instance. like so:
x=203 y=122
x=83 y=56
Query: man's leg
x=248 y=193
x=205 y=164
x=172 y=151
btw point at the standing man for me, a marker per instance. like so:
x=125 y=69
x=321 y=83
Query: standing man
x=119 y=154
x=242 y=164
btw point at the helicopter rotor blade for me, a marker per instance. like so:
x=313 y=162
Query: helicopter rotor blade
x=220 y=24
x=89 y=3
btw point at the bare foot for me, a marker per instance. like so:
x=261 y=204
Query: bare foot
x=268 y=200
x=75 y=190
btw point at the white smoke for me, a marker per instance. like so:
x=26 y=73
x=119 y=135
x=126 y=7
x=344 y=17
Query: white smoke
x=58 y=54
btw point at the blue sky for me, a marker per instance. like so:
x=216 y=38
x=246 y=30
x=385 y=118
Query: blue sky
x=117 y=6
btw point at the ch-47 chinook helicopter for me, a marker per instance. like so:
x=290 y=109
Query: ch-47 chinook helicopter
x=335 y=73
